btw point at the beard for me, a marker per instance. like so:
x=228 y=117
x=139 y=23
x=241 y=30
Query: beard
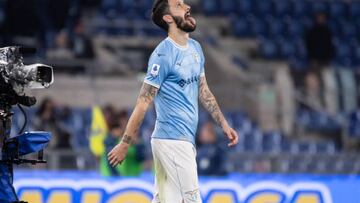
x=187 y=24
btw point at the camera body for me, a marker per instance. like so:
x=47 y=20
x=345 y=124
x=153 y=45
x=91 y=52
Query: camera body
x=15 y=77
x=20 y=76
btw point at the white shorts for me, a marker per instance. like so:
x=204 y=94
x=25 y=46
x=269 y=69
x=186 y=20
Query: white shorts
x=176 y=179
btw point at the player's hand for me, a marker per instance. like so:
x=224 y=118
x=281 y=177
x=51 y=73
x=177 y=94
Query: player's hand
x=231 y=135
x=118 y=154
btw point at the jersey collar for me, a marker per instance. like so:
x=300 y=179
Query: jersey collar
x=183 y=48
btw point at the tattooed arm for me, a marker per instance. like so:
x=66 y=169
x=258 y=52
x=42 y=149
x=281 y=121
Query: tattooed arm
x=146 y=96
x=209 y=102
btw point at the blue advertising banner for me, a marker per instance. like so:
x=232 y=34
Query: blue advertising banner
x=89 y=187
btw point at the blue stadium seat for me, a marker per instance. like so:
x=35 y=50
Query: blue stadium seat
x=307 y=22
x=301 y=51
x=252 y=142
x=307 y=148
x=354 y=124
x=319 y=6
x=238 y=119
x=325 y=148
x=287 y=48
x=109 y=8
x=348 y=30
x=245 y=7
x=126 y=5
x=338 y=9
x=335 y=27
x=317 y=121
x=276 y=27
x=227 y=7
x=271 y=142
x=343 y=54
x=282 y=8
x=210 y=7
x=258 y=27
x=268 y=49
x=295 y=29
x=144 y=6
x=263 y=7
x=354 y=10
x=241 y=27
x=153 y=31
x=300 y=8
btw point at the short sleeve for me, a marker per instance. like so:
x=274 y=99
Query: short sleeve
x=202 y=67
x=157 y=70
x=202 y=58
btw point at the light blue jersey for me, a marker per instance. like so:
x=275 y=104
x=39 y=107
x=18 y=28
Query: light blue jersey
x=176 y=71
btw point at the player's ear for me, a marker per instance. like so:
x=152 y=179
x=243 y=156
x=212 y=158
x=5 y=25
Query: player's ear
x=168 y=18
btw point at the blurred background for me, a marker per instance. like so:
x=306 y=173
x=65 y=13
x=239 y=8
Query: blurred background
x=285 y=73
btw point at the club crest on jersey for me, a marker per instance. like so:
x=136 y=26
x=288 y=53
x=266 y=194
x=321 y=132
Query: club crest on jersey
x=155 y=70
x=196 y=57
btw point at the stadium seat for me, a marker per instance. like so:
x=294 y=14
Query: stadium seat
x=301 y=51
x=109 y=8
x=241 y=27
x=238 y=119
x=126 y=5
x=287 y=48
x=295 y=29
x=354 y=10
x=252 y=142
x=300 y=8
x=144 y=6
x=258 y=27
x=319 y=7
x=268 y=49
x=325 y=148
x=307 y=148
x=276 y=27
x=348 y=30
x=343 y=54
x=354 y=124
x=263 y=7
x=337 y=9
x=282 y=8
x=335 y=27
x=271 y=142
x=210 y=7
x=227 y=7
x=245 y=7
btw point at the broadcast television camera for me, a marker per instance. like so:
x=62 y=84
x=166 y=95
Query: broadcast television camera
x=15 y=78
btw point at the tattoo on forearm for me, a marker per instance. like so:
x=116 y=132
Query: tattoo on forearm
x=208 y=100
x=147 y=93
x=127 y=139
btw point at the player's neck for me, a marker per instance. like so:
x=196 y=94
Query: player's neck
x=180 y=37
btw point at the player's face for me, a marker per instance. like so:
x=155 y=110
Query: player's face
x=180 y=12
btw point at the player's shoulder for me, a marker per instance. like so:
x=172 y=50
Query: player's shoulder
x=163 y=48
x=161 y=52
x=194 y=42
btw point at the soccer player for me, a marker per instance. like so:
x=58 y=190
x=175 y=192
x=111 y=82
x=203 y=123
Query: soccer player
x=176 y=81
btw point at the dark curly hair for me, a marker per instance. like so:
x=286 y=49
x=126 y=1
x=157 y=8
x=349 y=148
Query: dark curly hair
x=159 y=9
